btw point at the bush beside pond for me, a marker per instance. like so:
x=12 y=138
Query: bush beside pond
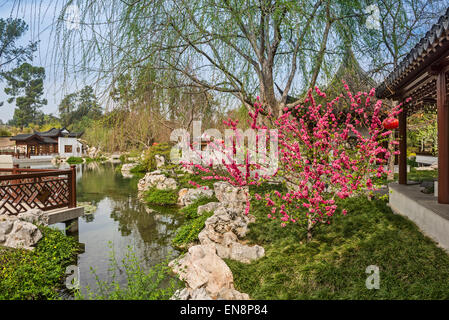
x=189 y=231
x=139 y=168
x=75 y=160
x=149 y=161
x=161 y=197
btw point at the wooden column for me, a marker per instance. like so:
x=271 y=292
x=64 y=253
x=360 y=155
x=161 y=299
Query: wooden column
x=443 y=139
x=403 y=146
x=72 y=187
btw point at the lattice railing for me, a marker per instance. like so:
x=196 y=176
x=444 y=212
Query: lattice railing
x=25 y=189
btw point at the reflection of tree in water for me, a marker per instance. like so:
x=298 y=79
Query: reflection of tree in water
x=88 y=217
x=153 y=228
x=101 y=181
x=150 y=232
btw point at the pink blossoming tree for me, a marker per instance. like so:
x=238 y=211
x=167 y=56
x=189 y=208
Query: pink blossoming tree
x=327 y=150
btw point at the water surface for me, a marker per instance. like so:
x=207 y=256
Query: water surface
x=120 y=220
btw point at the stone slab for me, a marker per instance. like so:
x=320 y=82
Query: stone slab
x=423 y=209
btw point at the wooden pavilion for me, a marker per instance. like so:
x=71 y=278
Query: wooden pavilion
x=423 y=76
x=43 y=143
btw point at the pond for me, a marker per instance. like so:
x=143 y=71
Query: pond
x=119 y=221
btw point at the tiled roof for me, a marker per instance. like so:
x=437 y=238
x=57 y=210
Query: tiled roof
x=49 y=140
x=26 y=136
x=22 y=136
x=50 y=133
x=47 y=135
x=421 y=50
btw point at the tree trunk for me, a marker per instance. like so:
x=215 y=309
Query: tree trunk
x=267 y=91
x=309 y=229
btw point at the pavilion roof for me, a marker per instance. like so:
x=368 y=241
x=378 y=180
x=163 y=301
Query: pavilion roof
x=33 y=136
x=53 y=132
x=353 y=74
x=49 y=136
x=413 y=76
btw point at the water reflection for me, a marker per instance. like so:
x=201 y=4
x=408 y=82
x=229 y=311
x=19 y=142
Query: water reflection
x=120 y=218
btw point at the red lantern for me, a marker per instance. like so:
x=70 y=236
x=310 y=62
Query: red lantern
x=390 y=123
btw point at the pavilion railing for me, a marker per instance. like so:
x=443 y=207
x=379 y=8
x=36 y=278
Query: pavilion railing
x=45 y=189
x=22 y=155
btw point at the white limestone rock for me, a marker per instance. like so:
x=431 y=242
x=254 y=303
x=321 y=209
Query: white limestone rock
x=209 y=207
x=224 y=229
x=5 y=228
x=160 y=160
x=158 y=180
x=127 y=167
x=206 y=275
x=35 y=216
x=187 y=196
x=23 y=235
x=234 y=198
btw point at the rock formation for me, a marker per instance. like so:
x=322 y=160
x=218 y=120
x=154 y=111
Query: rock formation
x=207 y=276
x=21 y=231
x=126 y=169
x=224 y=229
x=158 y=180
x=208 y=207
x=160 y=161
x=187 y=196
x=233 y=198
x=205 y=273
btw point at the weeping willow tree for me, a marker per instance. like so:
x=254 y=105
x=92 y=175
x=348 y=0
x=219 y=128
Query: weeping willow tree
x=141 y=115
x=229 y=48
x=235 y=49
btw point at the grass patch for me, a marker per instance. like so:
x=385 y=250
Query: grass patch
x=413 y=175
x=189 y=231
x=37 y=274
x=333 y=264
x=183 y=180
x=420 y=176
x=139 y=168
x=190 y=211
x=161 y=197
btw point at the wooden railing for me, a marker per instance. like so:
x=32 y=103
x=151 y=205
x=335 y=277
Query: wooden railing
x=45 y=189
x=13 y=154
x=18 y=155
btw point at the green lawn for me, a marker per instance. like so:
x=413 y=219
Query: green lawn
x=332 y=266
x=413 y=175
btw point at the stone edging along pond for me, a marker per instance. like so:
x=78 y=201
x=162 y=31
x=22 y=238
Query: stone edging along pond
x=202 y=268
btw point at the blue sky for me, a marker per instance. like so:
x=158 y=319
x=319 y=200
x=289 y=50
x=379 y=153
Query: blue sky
x=39 y=15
